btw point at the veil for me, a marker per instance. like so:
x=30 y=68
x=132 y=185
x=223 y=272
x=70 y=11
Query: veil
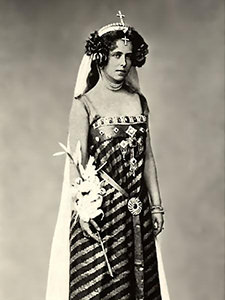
x=59 y=265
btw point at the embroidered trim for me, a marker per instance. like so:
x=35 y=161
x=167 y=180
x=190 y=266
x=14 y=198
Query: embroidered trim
x=119 y=120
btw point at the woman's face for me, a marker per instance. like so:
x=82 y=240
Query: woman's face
x=119 y=62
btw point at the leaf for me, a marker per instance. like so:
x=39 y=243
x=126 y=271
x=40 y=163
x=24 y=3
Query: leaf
x=82 y=171
x=64 y=147
x=90 y=164
x=58 y=153
x=66 y=151
x=78 y=154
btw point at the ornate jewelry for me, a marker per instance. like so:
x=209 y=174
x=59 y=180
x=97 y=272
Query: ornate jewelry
x=115 y=27
x=131 y=131
x=123 y=148
x=155 y=209
x=132 y=142
x=119 y=120
x=134 y=206
x=121 y=16
x=113 y=86
x=125 y=40
x=133 y=165
x=140 y=145
x=112 y=27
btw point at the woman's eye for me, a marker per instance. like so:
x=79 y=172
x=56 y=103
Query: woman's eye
x=129 y=56
x=116 y=55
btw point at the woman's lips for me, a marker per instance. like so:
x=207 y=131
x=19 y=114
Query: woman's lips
x=121 y=71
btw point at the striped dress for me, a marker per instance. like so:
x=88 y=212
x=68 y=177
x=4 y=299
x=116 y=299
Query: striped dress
x=119 y=143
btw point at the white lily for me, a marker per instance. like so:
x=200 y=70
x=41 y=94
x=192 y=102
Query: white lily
x=87 y=191
x=87 y=209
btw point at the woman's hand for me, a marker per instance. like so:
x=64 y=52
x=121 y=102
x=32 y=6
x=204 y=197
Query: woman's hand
x=157 y=221
x=87 y=229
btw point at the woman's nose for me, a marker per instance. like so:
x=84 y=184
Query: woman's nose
x=123 y=61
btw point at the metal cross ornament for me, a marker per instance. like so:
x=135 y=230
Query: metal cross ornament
x=121 y=16
x=125 y=39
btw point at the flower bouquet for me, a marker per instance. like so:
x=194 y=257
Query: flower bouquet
x=87 y=191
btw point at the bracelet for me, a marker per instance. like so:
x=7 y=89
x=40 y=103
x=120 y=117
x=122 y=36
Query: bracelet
x=158 y=212
x=157 y=209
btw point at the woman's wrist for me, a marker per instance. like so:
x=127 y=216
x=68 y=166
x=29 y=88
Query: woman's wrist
x=157 y=208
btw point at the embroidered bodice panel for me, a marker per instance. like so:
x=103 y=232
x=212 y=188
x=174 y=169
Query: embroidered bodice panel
x=125 y=135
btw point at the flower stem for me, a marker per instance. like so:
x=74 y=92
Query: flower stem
x=101 y=167
x=106 y=258
x=75 y=219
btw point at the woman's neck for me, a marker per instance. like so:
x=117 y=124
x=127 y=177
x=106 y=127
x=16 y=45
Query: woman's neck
x=108 y=84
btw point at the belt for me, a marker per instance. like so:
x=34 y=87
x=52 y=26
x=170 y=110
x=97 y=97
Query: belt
x=112 y=182
x=134 y=204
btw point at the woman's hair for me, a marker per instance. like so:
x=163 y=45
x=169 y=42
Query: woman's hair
x=100 y=47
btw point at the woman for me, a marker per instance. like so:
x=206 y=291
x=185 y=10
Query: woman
x=110 y=118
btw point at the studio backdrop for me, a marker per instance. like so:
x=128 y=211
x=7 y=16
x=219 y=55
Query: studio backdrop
x=41 y=45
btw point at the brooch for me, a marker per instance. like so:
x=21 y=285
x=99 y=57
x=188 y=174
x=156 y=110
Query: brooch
x=134 y=206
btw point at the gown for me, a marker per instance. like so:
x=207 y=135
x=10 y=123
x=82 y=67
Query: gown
x=126 y=228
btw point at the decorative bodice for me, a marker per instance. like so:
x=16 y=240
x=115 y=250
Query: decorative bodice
x=126 y=127
x=118 y=142
x=121 y=139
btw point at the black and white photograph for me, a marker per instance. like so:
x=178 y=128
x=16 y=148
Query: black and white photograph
x=112 y=150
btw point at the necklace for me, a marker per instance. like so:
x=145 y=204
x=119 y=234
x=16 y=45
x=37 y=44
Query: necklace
x=113 y=86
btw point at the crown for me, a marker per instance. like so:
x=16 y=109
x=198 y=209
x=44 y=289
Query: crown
x=114 y=26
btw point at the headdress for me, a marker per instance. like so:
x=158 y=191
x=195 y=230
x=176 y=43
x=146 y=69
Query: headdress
x=115 y=27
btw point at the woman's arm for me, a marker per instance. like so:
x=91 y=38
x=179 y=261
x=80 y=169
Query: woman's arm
x=78 y=131
x=150 y=174
x=151 y=179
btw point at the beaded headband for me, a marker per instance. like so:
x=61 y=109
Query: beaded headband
x=115 y=27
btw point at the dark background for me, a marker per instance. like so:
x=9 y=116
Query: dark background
x=41 y=45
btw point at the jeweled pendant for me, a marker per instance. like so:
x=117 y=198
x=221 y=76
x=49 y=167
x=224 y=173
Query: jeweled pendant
x=123 y=148
x=133 y=165
x=140 y=145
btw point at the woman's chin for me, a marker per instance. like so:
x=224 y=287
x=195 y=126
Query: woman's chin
x=119 y=78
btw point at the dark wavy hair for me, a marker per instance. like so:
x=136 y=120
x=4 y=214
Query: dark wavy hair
x=100 y=47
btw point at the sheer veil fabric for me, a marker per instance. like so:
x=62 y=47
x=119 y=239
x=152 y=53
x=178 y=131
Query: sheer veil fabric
x=58 y=273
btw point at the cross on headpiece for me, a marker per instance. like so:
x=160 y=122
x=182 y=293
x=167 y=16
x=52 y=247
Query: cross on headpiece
x=116 y=26
x=121 y=16
x=125 y=39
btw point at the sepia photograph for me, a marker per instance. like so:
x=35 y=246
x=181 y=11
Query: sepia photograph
x=112 y=150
